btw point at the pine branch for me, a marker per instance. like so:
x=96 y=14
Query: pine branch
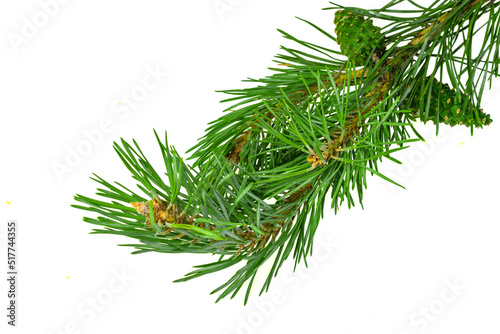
x=317 y=126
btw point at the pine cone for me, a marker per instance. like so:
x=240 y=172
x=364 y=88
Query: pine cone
x=357 y=36
x=453 y=108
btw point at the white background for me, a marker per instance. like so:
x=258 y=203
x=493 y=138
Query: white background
x=375 y=270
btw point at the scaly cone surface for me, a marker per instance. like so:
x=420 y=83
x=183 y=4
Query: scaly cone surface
x=451 y=107
x=357 y=36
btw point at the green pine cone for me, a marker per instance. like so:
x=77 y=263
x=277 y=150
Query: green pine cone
x=357 y=36
x=452 y=108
